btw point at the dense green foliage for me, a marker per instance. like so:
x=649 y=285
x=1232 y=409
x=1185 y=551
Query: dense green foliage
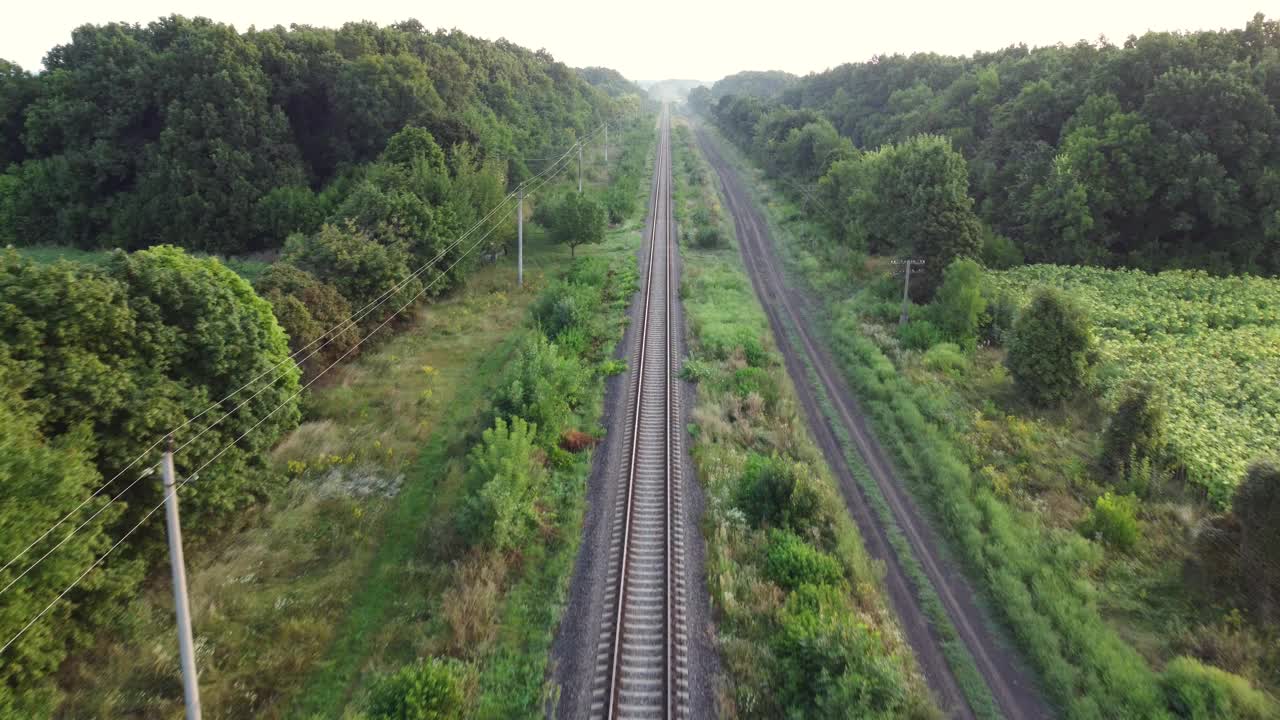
x=429 y=690
x=758 y=83
x=508 y=477
x=1051 y=349
x=1212 y=346
x=185 y=131
x=960 y=303
x=100 y=361
x=576 y=219
x=1134 y=441
x=1042 y=579
x=1158 y=153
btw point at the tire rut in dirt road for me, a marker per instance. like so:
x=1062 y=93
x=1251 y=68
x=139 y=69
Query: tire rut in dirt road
x=1011 y=685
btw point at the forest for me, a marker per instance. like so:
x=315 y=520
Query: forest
x=1081 y=384
x=336 y=161
x=1158 y=153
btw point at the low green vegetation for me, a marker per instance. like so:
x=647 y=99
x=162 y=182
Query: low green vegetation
x=1089 y=544
x=802 y=628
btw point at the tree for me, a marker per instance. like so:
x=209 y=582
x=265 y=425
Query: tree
x=425 y=690
x=1134 y=441
x=315 y=316
x=1257 y=507
x=916 y=202
x=959 y=302
x=363 y=271
x=578 y=220
x=42 y=481
x=1050 y=350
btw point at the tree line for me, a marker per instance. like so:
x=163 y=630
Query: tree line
x=1162 y=152
x=188 y=132
x=354 y=156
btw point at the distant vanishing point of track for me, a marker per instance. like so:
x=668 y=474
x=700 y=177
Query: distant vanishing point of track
x=641 y=667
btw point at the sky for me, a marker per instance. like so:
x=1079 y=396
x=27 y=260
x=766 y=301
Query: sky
x=696 y=39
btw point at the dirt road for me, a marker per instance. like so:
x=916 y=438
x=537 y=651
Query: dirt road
x=1001 y=668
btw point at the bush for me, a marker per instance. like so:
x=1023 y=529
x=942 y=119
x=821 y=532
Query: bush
x=945 y=358
x=308 y=309
x=361 y=269
x=505 y=474
x=997 y=321
x=830 y=665
x=919 y=335
x=620 y=201
x=959 y=303
x=564 y=305
x=1257 y=508
x=773 y=492
x=1051 y=349
x=999 y=252
x=1114 y=520
x=791 y=562
x=430 y=690
x=1200 y=692
x=1134 y=441
x=709 y=237
x=543 y=385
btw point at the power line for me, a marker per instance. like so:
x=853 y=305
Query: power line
x=331 y=334
x=261 y=420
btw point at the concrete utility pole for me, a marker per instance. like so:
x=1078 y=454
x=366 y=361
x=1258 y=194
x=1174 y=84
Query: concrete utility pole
x=186 y=647
x=520 y=239
x=906 y=286
x=579 y=166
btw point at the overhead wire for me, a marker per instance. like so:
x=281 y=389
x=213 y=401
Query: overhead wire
x=330 y=334
x=229 y=445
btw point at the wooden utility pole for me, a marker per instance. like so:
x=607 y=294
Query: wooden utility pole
x=520 y=239
x=186 y=647
x=906 y=287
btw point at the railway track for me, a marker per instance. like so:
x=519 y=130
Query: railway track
x=641 y=666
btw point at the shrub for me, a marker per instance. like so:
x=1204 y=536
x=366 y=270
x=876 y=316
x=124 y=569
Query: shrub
x=1257 y=508
x=1051 y=349
x=542 y=385
x=1114 y=520
x=505 y=473
x=430 y=690
x=999 y=252
x=996 y=323
x=830 y=665
x=308 y=309
x=773 y=492
x=564 y=305
x=959 y=302
x=945 y=358
x=709 y=237
x=791 y=562
x=361 y=269
x=620 y=201
x=919 y=335
x=1200 y=692
x=1134 y=440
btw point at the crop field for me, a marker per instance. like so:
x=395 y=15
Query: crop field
x=1210 y=344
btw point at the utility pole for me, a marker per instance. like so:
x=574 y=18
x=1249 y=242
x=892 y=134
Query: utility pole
x=579 y=166
x=520 y=239
x=186 y=647
x=906 y=286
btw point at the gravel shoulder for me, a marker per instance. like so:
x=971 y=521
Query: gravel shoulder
x=573 y=654
x=1011 y=685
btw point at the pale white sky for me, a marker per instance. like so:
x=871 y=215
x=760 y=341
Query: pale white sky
x=657 y=39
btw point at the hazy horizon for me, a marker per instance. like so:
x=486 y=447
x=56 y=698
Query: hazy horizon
x=706 y=42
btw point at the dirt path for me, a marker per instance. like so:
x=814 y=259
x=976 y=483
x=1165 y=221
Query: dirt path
x=1011 y=684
